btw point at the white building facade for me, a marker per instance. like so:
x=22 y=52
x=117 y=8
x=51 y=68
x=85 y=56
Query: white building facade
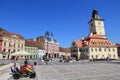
x=32 y=47
x=41 y=53
x=96 y=46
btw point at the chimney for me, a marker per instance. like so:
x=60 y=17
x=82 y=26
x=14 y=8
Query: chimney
x=83 y=38
x=91 y=34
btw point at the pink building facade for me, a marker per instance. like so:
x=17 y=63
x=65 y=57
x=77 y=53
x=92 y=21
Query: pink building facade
x=10 y=43
x=51 y=47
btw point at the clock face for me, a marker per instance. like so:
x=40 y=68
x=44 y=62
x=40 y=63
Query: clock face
x=99 y=23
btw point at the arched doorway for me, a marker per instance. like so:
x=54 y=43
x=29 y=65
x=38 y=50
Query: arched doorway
x=55 y=55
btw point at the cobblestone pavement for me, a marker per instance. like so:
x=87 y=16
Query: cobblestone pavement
x=4 y=74
x=100 y=71
x=79 y=71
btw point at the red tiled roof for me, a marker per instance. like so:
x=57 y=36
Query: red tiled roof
x=32 y=43
x=67 y=50
x=6 y=33
x=79 y=43
x=118 y=45
x=95 y=40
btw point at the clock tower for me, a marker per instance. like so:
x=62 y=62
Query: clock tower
x=96 y=24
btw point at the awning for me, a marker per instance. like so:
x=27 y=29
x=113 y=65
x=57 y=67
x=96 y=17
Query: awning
x=21 y=53
x=33 y=53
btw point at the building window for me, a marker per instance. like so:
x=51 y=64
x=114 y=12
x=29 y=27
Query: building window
x=9 y=45
x=109 y=55
x=98 y=42
x=4 y=50
x=14 y=50
x=109 y=49
x=4 y=56
x=91 y=49
x=102 y=56
x=25 y=49
x=22 y=46
x=96 y=56
x=93 y=42
x=30 y=57
x=95 y=49
x=114 y=56
x=92 y=56
x=18 y=45
x=8 y=50
x=4 y=43
x=91 y=24
x=113 y=50
x=105 y=49
x=100 y=49
x=14 y=45
x=86 y=50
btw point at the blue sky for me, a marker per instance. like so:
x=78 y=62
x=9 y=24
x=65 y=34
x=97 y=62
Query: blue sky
x=66 y=19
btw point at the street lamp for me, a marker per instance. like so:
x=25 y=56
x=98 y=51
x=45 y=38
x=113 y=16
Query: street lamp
x=47 y=36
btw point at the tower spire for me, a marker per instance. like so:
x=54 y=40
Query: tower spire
x=96 y=24
x=95 y=14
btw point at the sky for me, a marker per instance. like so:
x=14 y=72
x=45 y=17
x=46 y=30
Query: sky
x=66 y=19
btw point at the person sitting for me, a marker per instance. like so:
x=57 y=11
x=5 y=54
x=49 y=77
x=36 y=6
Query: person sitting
x=25 y=62
x=23 y=69
x=29 y=66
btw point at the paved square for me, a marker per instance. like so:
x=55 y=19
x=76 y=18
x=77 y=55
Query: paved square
x=83 y=71
x=77 y=71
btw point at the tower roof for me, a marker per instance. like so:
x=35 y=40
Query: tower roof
x=95 y=15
